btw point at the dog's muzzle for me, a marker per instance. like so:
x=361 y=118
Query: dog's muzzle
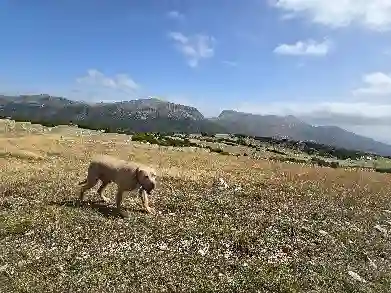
x=149 y=188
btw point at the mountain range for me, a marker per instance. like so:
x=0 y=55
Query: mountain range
x=155 y=115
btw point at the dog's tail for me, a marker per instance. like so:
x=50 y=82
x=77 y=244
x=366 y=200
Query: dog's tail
x=82 y=182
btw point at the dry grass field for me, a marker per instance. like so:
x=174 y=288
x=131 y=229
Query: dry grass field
x=278 y=227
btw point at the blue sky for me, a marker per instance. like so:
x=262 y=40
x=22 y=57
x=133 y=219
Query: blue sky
x=321 y=58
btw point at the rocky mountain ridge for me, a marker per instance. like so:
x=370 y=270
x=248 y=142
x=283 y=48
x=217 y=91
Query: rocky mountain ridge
x=154 y=115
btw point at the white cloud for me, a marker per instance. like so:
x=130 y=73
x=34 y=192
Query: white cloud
x=194 y=48
x=372 y=14
x=308 y=48
x=365 y=118
x=230 y=63
x=377 y=84
x=175 y=15
x=362 y=109
x=120 y=82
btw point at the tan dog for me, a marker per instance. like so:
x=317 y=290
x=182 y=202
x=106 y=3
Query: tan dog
x=127 y=175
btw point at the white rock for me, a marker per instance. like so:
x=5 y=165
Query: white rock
x=323 y=233
x=3 y=268
x=371 y=263
x=356 y=276
x=223 y=183
x=381 y=229
x=238 y=188
x=163 y=246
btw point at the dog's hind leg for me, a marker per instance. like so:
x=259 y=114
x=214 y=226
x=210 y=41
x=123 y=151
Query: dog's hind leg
x=100 y=190
x=118 y=198
x=90 y=182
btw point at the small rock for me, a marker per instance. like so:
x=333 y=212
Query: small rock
x=3 y=268
x=356 y=276
x=223 y=184
x=31 y=232
x=203 y=251
x=163 y=246
x=323 y=233
x=381 y=229
x=238 y=188
x=371 y=262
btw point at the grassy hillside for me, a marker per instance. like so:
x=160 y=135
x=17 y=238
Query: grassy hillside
x=277 y=227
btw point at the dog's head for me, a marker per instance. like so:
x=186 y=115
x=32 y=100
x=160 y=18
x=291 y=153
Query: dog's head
x=147 y=178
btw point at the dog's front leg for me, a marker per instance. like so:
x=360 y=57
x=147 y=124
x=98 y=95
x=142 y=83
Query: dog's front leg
x=144 y=198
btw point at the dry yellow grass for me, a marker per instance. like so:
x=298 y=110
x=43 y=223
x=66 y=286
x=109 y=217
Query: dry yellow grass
x=290 y=228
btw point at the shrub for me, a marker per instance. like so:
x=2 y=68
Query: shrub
x=276 y=151
x=288 y=159
x=162 y=140
x=218 y=150
x=145 y=137
x=324 y=163
x=383 y=170
x=242 y=141
x=334 y=164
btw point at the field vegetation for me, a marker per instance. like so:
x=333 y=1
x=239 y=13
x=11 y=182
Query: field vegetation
x=238 y=222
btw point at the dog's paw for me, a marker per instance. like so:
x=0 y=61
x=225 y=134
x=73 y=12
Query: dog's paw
x=105 y=199
x=151 y=211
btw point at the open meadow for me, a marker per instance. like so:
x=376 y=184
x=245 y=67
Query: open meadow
x=275 y=227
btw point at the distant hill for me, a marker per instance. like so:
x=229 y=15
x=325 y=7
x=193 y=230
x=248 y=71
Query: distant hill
x=293 y=128
x=143 y=115
x=154 y=115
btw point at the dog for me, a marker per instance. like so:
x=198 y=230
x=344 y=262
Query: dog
x=128 y=176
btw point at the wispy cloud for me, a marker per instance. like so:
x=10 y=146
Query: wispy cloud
x=387 y=52
x=344 y=108
x=120 y=82
x=230 y=63
x=194 y=48
x=376 y=84
x=175 y=15
x=371 y=14
x=304 y=48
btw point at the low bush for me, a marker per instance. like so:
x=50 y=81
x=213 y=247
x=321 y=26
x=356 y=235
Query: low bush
x=276 y=151
x=323 y=163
